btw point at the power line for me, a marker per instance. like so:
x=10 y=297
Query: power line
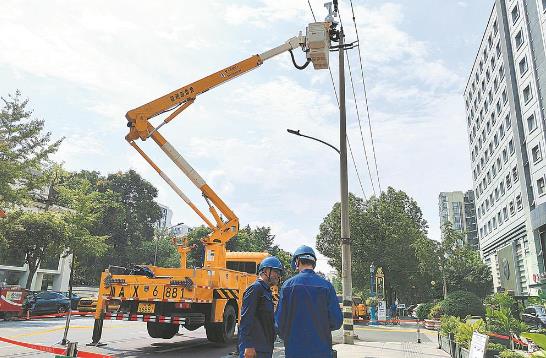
x=356 y=169
x=358 y=114
x=360 y=125
x=337 y=100
x=365 y=97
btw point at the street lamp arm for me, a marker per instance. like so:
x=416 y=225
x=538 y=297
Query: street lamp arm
x=297 y=132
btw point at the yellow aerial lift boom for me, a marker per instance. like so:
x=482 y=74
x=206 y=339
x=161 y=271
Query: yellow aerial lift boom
x=212 y=295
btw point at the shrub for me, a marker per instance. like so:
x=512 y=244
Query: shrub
x=496 y=347
x=436 y=311
x=462 y=304
x=463 y=334
x=511 y=354
x=501 y=321
x=423 y=310
x=448 y=325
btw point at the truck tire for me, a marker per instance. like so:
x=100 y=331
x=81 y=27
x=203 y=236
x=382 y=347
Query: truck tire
x=222 y=332
x=162 y=330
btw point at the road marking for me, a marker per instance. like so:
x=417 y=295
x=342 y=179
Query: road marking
x=59 y=328
x=44 y=331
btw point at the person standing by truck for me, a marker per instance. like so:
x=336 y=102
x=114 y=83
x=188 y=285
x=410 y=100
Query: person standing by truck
x=308 y=310
x=257 y=326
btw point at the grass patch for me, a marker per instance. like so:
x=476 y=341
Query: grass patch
x=538 y=338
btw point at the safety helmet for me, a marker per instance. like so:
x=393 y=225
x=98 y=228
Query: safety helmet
x=271 y=262
x=303 y=252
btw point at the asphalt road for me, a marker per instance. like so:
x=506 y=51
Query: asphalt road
x=130 y=339
x=405 y=332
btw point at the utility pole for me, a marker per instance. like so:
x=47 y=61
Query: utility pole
x=345 y=225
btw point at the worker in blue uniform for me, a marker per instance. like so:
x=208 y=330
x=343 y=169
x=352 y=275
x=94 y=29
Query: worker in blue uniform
x=308 y=310
x=257 y=326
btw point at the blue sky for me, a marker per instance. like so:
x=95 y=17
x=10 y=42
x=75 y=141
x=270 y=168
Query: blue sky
x=85 y=64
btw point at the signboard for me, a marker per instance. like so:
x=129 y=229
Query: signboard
x=507 y=268
x=478 y=345
x=402 y=305
x=382 y=311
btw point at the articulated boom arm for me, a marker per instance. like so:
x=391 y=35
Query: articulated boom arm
x=177 y=101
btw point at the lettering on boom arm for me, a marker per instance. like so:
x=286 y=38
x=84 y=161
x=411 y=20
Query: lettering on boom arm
x=182 y=93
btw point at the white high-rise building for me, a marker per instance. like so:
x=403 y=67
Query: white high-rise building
x=506 y=130
x=458 y=208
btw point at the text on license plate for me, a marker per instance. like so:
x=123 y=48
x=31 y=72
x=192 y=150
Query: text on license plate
x=146 y=308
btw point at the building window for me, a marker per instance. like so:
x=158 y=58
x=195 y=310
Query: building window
x=495 y=28
x=531 y=123
x=501 y=71
x=523 y=66
x=502 y=188
x=512 y=208
x=496 y=194
x=498 y=49
x=499 y=107
x=499 y=163
x=511 y=146
x=519 y=202
x=507 y=121
x=515 y=174
x=536 y=153
x=494 y=170
x=527 y=94
x=499 y=218
x=519 y=39
x=515 y=14
x=540 y=186
x=505 y=155
x=501 y=130
x=487 y=75
x=543 y=5
x=505 y=213
x=508 y=181
x=504 y=96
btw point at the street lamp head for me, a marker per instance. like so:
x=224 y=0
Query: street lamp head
x=291 y=131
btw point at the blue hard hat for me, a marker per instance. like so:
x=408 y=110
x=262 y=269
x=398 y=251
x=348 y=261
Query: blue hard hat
x=271 y=262
x=303 y=252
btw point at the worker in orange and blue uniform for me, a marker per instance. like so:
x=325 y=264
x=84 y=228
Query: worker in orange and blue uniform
x=257 y=326
x=308 y=310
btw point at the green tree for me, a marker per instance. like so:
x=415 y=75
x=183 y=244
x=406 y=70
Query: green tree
x=383 y=230
x=35 y=235
x=24 y=148
x=119 y=211
x=458 y=266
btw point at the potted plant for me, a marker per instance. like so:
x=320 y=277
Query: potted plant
x=446 y=336
x=494 y=349
x=463 y=336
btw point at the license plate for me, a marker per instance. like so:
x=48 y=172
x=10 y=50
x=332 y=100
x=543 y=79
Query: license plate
x=146 y=308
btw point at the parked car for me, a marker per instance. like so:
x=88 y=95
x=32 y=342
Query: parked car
x=89 y=304
x=410 y=310
x=47 y=302
x=75 y=299
x=534 y=316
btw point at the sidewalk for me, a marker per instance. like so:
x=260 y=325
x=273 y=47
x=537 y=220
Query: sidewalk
x=389 y=350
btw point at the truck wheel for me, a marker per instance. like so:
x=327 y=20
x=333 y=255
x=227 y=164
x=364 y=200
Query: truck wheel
x=162 y=330
x=222 y=332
